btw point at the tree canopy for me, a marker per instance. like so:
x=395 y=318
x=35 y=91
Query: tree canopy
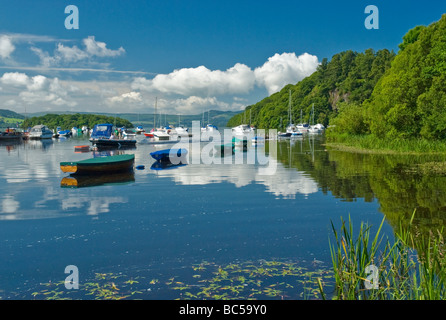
x=349 y=77
x=381 y=93
x=410 y=100
x=68 y=121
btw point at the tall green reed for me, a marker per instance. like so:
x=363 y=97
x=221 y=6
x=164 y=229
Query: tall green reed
x=412 y=267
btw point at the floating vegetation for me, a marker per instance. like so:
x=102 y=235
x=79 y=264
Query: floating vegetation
x=204 y=281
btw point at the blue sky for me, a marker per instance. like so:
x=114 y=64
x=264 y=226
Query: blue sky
x=191 y=55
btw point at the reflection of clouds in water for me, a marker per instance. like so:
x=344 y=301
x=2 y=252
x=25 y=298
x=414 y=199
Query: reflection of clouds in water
x=9 y=204
x=30 y=173
x=68 y=207
x=91 y=205
x=284 y=182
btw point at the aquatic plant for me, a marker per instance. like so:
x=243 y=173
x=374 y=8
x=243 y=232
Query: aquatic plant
x=410 y=268
x=206 y=280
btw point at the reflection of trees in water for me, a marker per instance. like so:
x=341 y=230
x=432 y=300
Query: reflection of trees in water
x=387 y=178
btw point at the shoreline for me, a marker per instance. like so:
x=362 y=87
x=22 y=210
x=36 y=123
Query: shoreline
x=437 y=168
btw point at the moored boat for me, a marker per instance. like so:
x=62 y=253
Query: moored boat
x=103 y=138
x=11 y=134
x=242 y=129
x=175 y=156
x=40 y=132
x=100 y=165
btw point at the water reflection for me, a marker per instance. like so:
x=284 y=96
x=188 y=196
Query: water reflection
x=82 y=181
x=31 y=179
x=388 y=178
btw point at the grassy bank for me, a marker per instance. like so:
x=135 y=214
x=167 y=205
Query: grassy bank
x=372 y=144
x=412 y=267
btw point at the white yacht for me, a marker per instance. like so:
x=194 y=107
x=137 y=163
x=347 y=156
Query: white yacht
x=209 y=128
x=291 y=129
x=181 y=131
x=40 y=132
x=315 y=129
x=242 y=129
x=302 y=127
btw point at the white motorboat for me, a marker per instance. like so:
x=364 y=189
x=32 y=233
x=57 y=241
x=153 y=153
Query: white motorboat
x=209 y=128
x=139 y=129
x=302 y=127
x=242 y=129
x=40 y=132
x=181 y=131
x=160 y=134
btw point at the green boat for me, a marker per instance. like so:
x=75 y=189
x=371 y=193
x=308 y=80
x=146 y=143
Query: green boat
x=82 y=181
x=100 y=165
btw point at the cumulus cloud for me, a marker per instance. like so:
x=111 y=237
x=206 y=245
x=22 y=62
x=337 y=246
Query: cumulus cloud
x=97 y=48
x=200 y=81
x=6 y=47
x=278 y=71
x=131 y=97
x=14 y=79
x=38 y=89
x=71 y=54
x=285 y=68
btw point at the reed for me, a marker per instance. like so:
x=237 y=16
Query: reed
x=403 y=272
x=373 y=144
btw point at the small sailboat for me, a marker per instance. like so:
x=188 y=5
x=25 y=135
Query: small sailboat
x=315 y=129
x=292 y=128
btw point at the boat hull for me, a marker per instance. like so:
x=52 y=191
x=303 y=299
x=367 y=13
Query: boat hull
x=165 y=156
x=119 y=163
x=9 y=137
x=97 y=180
x=113 y=144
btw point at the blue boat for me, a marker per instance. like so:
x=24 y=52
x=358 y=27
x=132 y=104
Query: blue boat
x=102 y=137
x=170 y=155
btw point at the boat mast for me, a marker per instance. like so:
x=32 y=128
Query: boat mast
x=154 y=115
x=312 y=109
x=289 y=107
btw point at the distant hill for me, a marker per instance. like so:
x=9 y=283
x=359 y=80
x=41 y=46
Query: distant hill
x=4 y=113
x=10 y=118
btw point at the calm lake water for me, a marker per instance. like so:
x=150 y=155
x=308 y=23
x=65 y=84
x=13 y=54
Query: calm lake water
x=190 y=231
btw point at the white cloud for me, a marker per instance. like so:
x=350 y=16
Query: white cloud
x=126 y=97
x=200 y=81
x=14 y=79
x=38 y=89
x=45 y=59
x=6 y=47
x=283 y=69
x=67 y=54
x=97 y=48
x=37 y=83
x=278 y=71
x=71 y=54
